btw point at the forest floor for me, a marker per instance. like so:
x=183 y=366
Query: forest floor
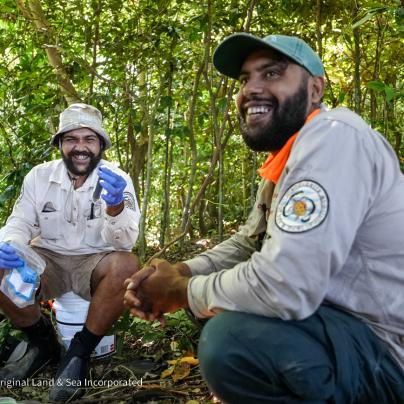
x=124 y=378
x=152 y=363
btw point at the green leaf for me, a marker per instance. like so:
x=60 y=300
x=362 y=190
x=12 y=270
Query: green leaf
x=5 y=327
x=166 y=101
x=341 y=97
x=390 y=93
x=181 y=132
x=376 y=85
x=222 y=104
x=369 y=15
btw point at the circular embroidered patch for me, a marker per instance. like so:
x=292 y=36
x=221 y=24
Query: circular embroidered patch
x=129 y=200
x=303 y=207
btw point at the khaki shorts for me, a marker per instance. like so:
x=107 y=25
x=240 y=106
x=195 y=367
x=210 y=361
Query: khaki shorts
x=67 y=273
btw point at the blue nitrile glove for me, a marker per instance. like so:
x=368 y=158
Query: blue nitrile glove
x=113 y=183
x=8 y=258
x=28 y=275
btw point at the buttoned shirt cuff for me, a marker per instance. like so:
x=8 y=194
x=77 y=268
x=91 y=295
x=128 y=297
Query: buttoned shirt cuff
x=200 y=265
x=122 y=219
x=197 y=297
x=122 y=230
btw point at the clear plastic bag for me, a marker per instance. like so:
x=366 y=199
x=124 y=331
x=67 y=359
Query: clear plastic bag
x=20 y=284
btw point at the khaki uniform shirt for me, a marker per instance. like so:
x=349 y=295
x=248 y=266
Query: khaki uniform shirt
x=50 y=213
x=332 y=231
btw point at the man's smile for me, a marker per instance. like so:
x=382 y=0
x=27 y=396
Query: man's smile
x=80 y=158
x=257 y=112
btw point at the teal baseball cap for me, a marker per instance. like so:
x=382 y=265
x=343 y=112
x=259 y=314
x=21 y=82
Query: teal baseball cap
x=230 y=55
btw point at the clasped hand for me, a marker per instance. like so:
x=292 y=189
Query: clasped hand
x=8 y=258
x=113 y=183
x=157 y=288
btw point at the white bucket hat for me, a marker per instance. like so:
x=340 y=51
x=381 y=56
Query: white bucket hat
x=77 y=116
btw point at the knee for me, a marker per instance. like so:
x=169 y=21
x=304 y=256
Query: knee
x=214 y=354
x=122 y=266
x=236 y=348
x=211 y=344
x=308 y=379
x=19 y=317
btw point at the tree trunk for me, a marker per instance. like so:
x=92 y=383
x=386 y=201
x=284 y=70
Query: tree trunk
x=357 y=61
x=97 y=13
x=36 y=16
x=318 y=29
x=218 y=133
x=167 y=166
x=137 y=149
x=376 y=71
x=149 y=172
x=191 y=117
x=203 y=230
x=220 y=198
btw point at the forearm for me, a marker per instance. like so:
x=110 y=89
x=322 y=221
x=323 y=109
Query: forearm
x=115 y=210
x=224 y=256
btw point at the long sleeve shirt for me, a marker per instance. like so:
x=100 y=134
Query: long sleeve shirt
x=50 y=213
x=332 y=231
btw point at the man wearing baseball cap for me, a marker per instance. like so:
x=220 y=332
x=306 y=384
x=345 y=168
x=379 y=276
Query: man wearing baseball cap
x=85 y=240
x=305 y=301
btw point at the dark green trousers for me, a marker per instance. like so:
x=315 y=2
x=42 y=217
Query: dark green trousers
x=330 y=357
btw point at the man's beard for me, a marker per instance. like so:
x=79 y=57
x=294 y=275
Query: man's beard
x=68 y=160
x=287 y=118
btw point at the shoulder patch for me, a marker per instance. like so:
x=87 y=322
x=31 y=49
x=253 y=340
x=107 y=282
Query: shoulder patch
x=129 y=201
x=303 y=207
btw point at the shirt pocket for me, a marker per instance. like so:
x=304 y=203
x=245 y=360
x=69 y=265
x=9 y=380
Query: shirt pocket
x=50 y=225
x=93 y=232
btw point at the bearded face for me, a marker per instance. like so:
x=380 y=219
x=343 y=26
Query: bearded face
x=273 y=101
x=266 y=123
x=81 y=151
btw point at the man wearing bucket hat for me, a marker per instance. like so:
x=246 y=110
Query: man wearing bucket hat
x=85 y=240
x=306 y=300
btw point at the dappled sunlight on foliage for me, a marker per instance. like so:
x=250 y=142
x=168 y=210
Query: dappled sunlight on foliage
x=174 y=127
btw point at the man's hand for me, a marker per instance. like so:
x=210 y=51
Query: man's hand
x=157 y=288
x=113 y=183
x=8 y=258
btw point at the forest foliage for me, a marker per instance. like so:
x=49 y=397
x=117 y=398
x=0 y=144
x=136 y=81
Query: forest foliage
x=147 y=66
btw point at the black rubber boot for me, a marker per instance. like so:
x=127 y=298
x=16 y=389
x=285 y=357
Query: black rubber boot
x=43 y=349
x=70 y=381
x=7 y=348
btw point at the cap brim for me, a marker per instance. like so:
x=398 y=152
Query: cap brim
x=230 y=55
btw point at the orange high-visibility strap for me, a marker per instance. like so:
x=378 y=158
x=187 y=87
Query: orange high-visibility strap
x=276 y=161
